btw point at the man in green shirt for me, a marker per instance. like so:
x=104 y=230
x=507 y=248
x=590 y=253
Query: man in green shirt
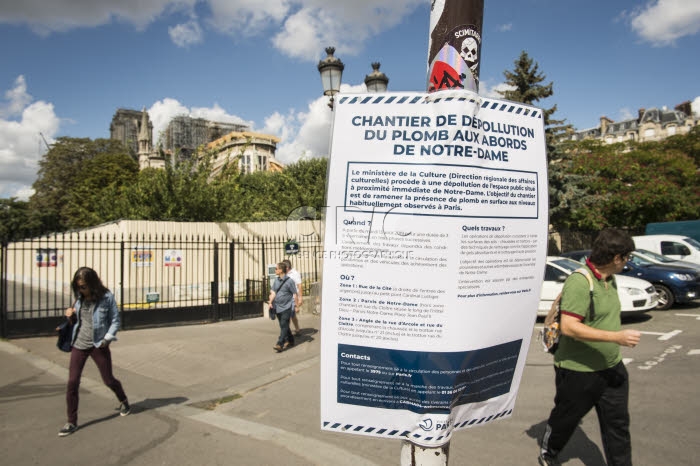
x=588 y=365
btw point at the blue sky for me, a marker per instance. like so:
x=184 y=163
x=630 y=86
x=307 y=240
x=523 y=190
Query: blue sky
x=67 y=65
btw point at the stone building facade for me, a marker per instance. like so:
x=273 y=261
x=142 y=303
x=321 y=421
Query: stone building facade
x=126 y=127
x=184 y=136
x=250 y=151
x=650 y=125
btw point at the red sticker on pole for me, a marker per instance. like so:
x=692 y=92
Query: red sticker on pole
x=454 y=53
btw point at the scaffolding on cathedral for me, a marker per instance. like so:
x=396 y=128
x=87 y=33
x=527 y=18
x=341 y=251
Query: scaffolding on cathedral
x=185 y=134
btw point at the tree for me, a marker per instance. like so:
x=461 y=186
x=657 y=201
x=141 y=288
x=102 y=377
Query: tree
x=178 y=192
x=526 y=79
x=305 y=187
x=15 y=220
x=595 y=185
x=265 y=196
x=688 y=144
x=83 y=183
x=569 y=188
x=103 y=178
x=64 y=168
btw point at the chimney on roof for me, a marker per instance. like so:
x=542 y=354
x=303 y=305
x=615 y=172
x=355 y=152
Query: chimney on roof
x=684 y=107
x=604 y=122
x=641 y=114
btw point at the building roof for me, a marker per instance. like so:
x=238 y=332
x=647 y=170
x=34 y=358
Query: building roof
x=242 y=136
x=662 y=116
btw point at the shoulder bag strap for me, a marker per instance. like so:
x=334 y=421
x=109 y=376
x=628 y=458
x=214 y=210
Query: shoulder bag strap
x=591 y=307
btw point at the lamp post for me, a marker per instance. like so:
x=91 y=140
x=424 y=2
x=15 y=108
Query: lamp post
x=376 y=81
x=331 y=69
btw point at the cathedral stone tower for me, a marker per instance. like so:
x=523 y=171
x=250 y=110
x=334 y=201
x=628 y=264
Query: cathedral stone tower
x=148 y=156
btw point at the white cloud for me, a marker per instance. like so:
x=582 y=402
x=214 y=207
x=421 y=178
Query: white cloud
x=164 y=110
x=22 y=146
x=302 y=33
x=186 y=34
x=298 y=28
x=505 y=27
x=17 y=99
x=348 y=24
x=625 y=114
x=492 y=91
x=63 y=15
x=664 y=21
x=305 y=134
x=248 y=17
x=21 y=143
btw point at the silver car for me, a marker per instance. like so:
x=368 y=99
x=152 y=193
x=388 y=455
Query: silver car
x=636 y=295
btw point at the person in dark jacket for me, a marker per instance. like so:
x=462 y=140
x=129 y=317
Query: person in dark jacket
x=96 y=321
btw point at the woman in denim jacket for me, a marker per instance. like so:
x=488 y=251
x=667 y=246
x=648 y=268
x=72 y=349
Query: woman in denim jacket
x=95 y=316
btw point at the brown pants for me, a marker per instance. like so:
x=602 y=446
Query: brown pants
x=103 y=360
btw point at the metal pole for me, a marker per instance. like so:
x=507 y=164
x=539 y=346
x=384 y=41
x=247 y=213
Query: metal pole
x=454 y=56
x=415 y=455
x=3 y=289
x=454 y=50
x=121 y=281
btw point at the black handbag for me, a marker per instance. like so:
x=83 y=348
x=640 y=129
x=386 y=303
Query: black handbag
x=65 y=334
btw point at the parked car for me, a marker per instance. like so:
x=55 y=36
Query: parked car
x=673 y=284
x=685 y=228
x=664 y=260
x=636 y=296
x=678 y=247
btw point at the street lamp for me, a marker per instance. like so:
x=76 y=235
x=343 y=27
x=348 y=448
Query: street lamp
x=376 y=81
x=331 y=69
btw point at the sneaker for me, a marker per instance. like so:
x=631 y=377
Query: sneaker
x=545 y=459
x=277 y=348
x=124 y=408
x=68 y=429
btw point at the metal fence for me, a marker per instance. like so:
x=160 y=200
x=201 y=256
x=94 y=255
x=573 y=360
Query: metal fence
x=164 y=279
x=571 y=240
x=157 y=279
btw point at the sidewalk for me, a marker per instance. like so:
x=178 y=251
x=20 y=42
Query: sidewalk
x=175 y=377
x=212 y=394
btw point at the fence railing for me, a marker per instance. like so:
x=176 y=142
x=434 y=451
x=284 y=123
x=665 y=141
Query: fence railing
x=163 y=272
x=145 y=271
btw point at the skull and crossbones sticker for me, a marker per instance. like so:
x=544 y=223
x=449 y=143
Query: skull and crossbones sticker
x=467 y=40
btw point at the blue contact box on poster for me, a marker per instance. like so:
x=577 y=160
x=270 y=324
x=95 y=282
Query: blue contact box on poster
x=422 y=381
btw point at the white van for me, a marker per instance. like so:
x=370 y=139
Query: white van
x=674 y=246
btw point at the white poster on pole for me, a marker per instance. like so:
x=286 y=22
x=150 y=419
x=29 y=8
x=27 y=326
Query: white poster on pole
x=434 y=254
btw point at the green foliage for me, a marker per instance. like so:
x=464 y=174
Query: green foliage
x=178 y=192
x=188 y=192
x=92 y=195
x=71 y=178
x=84 y=183
x=16 y=221
x=591 y=186
x=594 y=185
x=688 y=144
x=264 y=196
